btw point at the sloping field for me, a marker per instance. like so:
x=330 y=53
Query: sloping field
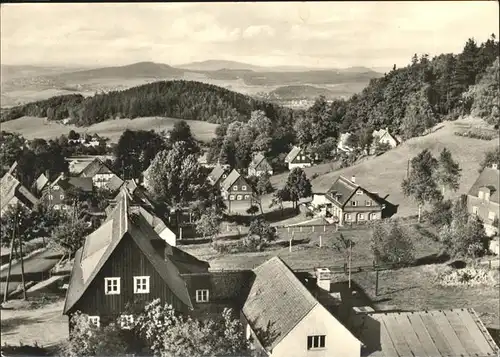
x=31 y=127
x=384 y=174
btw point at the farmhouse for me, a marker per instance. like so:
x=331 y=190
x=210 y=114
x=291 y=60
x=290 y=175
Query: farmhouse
x=482 y=198
x=384 y=136
x=342 y=143
x=236 y=188
x=299 y=157
x=259 y=166
x=218 y=175
x=13 y=192
x=348 y=202
x=78 y=163
x=101 y=174
x=55 y=194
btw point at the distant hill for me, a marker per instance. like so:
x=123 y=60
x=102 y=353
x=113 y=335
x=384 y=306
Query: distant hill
x=141 y=69
x=10 y=72
x=300 y=92
x=216 y=65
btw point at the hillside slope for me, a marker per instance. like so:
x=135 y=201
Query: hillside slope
x=31 y=127
x=384 y=174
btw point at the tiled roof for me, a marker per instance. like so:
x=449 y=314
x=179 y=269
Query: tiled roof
x=457 y=332
x=276 y=303
x=100 y=245
x=40 y=182
x=8 y=186
x=341 y=190
x=94 y=168
x=83 y=183
x=488 y=177
x=230 y=179
x=216 y=173
x=292 y=154
x=257 y=159
x=114 y=183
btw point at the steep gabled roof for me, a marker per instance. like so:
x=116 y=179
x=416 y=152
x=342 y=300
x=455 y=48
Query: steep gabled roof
x=292 y=154
x=94 y=168
x=83 y=183
x=216 y=173
x=488 y=177
x=230 y=179
x=114 y=184
x=40 y=183
x=456 y=332
x=277 y=302
x=257 y=159
x=10 y=187
x=99 y=246
x=342 y=190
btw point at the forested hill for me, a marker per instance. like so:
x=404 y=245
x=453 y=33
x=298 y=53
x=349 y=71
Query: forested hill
x=179 y=99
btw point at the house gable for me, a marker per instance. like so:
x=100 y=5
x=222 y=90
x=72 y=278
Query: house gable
x=302 y=158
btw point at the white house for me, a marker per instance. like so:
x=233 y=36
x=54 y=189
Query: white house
x=298 y=157
x=342 y=143
x=384 y=136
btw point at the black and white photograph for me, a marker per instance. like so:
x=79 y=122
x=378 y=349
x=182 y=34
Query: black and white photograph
x=250 y=179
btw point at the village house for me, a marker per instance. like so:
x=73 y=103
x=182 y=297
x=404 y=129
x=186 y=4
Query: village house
x=218 y=175
x=56 y=193
x=482 y=198
x=299 y=157
x=384 y=136
x=40 y=183
x=236 y=188
x=125 y=262
x=348 y=202
x=260 y=166
x=76 y=164
x=203 y=161
x=101 y=175
x=342 y=144
x=12 y=192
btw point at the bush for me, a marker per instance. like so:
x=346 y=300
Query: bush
x=469 y=276
x=309 y=214
x=478 y=134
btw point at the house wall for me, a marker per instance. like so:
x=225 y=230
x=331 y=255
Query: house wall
x=365 y=209
x=100 y=180
x=339 y=342
x=389 y=140
x=236 y=192
x=168 y=236
x=125 y=262
x=291 y=166
x=484 y=207
x=319 y=199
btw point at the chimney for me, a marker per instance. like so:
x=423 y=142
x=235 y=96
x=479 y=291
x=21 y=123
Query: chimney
x=353 y=179
x=323 y=278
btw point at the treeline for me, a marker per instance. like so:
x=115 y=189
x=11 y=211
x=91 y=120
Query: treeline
x=55 y=108
x=179 y=99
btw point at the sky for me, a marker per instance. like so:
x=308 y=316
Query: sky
x=313 y=34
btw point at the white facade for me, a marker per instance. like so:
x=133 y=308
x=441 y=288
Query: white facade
x=302 y=165
x=257 y=173
x=101 y=180
x=319 y=199
x=339 y=341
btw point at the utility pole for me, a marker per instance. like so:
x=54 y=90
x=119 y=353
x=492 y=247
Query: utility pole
x=350 y=260
x=376 y=280
x=10 y=260
x=22 y=266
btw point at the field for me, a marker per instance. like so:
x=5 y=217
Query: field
x=31 y=127
x=384 y=174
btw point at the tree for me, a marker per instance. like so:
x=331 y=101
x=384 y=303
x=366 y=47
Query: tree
x=11 y=147
x=484 y=95
x=297 y=186
x=391 y=245
x=209 y=223
x=440 y=214
x=420 y=183
x=381 y=147
x=491 y=157
x=69 y=236
x=419 y=115
x=175 y=177
x=448 y=171
x=182 y=132
x=259 y=234
x=135 y=150
x=344 y=245
x=465 y=236
x=280 y=196
x=73 y=135
x=18 y=221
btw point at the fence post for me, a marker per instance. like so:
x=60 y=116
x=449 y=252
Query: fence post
x=288 y=229
x=324 y=228
x=301 y=228
x=320 y=242
x=313 y=228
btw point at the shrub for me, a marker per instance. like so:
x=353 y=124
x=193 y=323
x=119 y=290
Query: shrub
x=309 y=214
x=478 y=134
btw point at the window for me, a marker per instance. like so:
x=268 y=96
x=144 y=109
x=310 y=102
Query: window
x=359 y=192
x=491 y=215
x=202 y=295
x=480 y=194
x=235 y=188
x=224 y=176
x=354 y=203
x=347 y=217
x=231 y=197
x=361 y=217
x=112 y=286
x=373 y=216
x=126 y=321
x=368 y=203
x=95 y=320
x=247 y=197
x=141 y=284
x=316 y=342
x=487 y=196
x=61 y=197
x=474 y=210
x=56 y=187
x=243 y=188
x=51 y=197
x=239 y=197
x=57 y=207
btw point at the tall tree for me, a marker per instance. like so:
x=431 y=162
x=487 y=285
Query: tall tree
x=182 y=132
x=420 y=183
x=70 y=235
x=491 y=157
x=209 y=223
x=297 y=186
x=390 y=244
x=448 y=171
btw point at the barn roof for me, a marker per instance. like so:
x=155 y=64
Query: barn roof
x=230 y=179
x=216 y=173
x=99 y=246
x=257 y=159
x=456 y=332
x=292 y=154
x=490 y=178
x=95 y=167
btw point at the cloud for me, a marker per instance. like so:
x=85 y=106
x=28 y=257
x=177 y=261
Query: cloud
x=260 y=30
